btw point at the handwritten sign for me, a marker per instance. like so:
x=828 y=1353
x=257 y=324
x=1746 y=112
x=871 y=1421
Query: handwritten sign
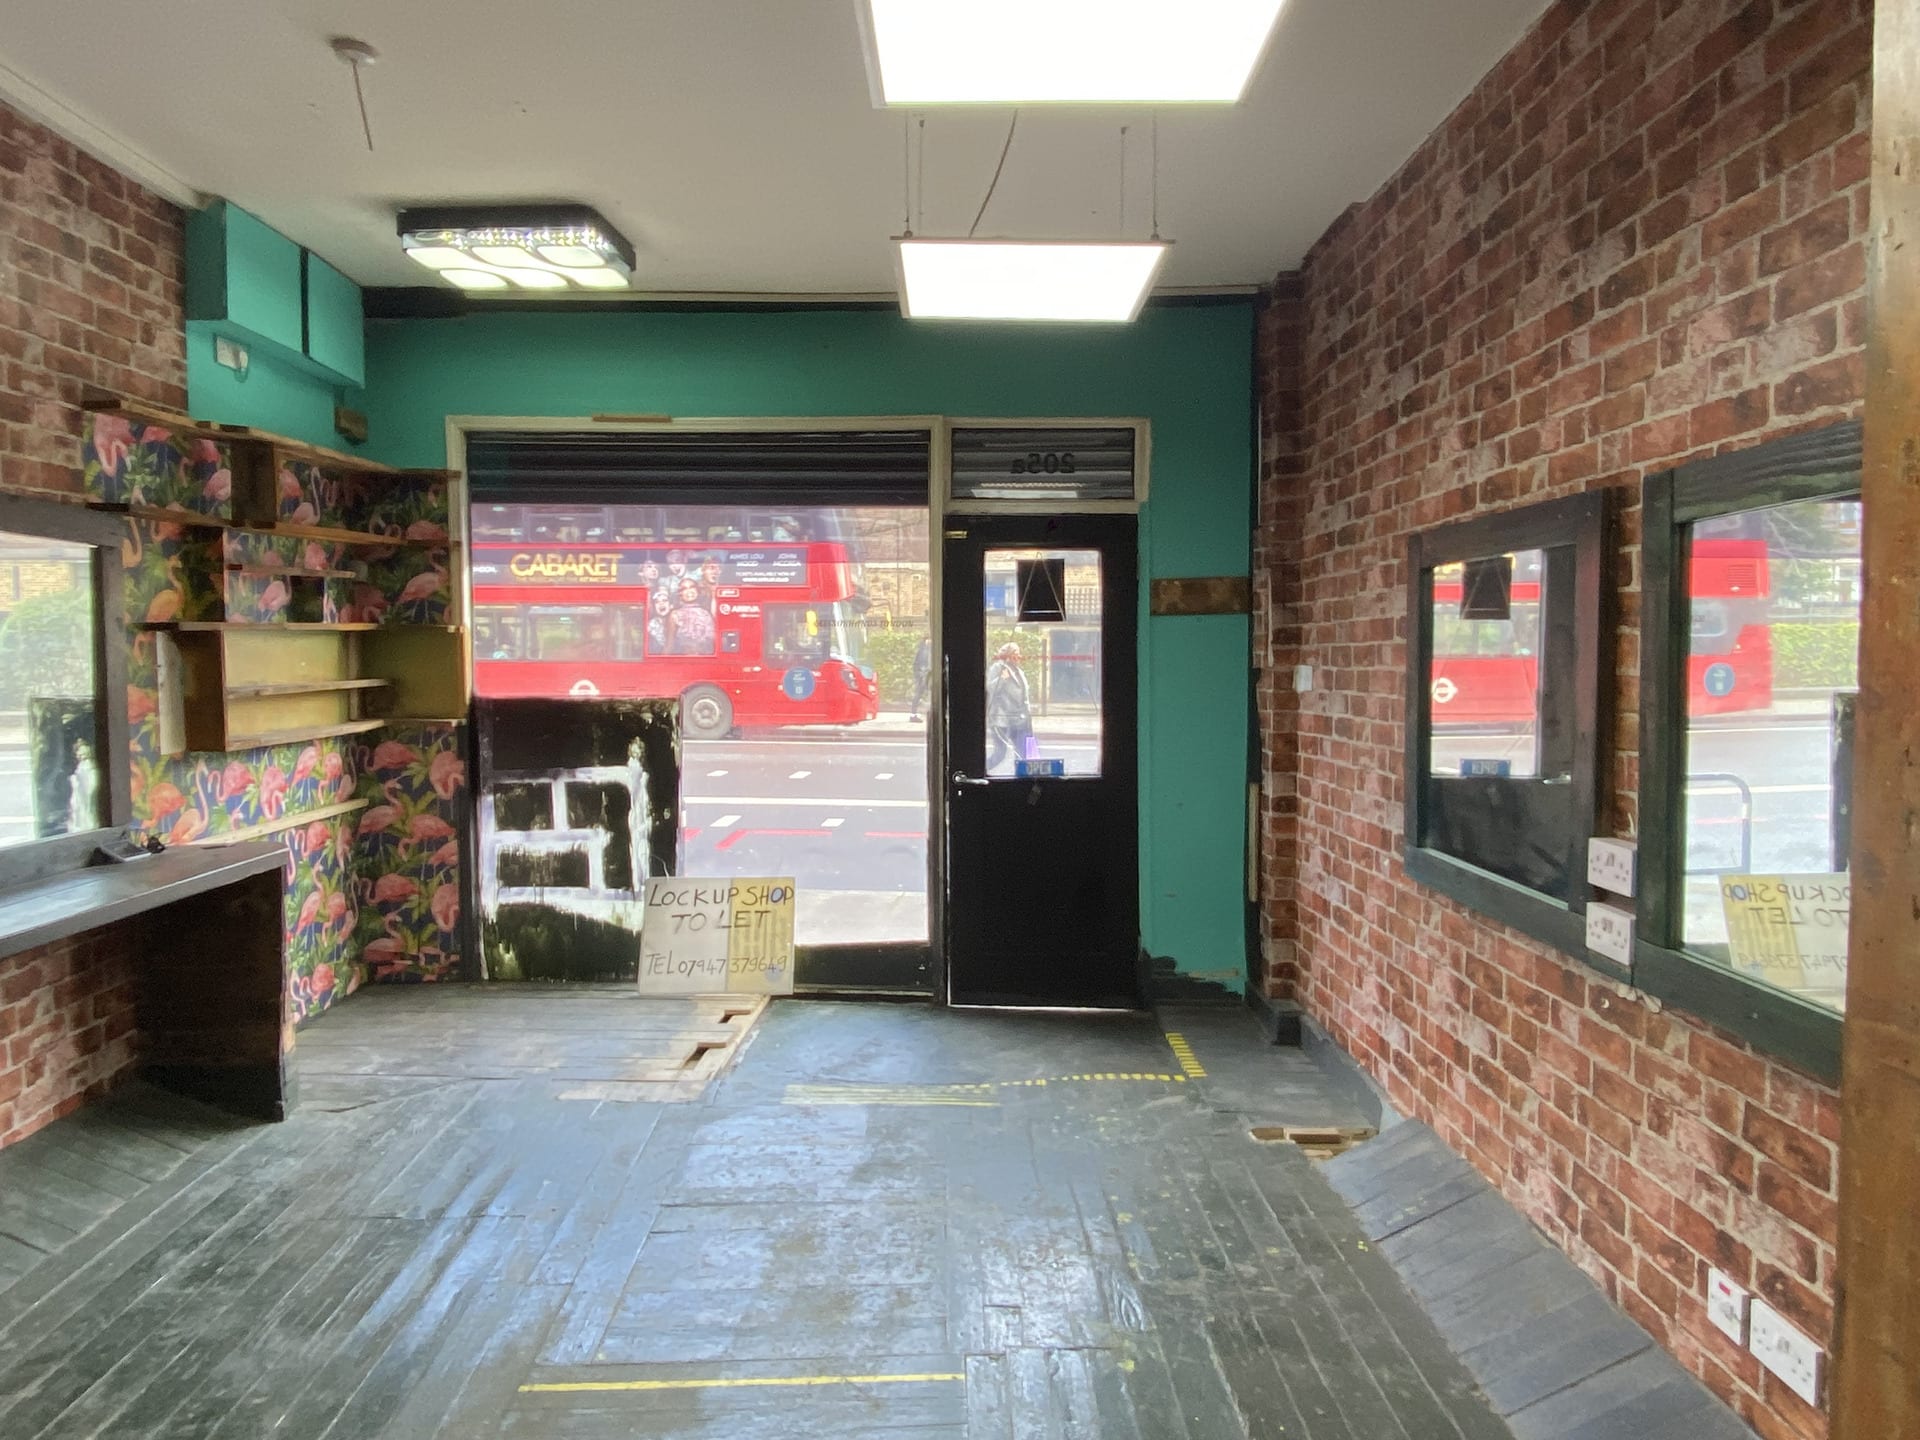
x=704 y=937
x=1789 y=930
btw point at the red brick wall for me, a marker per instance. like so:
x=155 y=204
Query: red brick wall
x=91 y=276
x=66 y=1026
x=1640 y=240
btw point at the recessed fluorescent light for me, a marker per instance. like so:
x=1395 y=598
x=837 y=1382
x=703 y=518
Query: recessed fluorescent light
x=527 y=247
x=1067 y=280
x=1031 y=52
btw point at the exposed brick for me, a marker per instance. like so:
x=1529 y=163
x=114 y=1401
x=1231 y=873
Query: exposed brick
x=1687 y=229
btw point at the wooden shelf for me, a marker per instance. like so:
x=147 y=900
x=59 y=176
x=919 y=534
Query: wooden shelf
x=269 y=738
x=300 y=687
x=426 y=719
x=285 y=822
x=199 y=520
x=139 y=411
x=322 y=627
x=297 y=572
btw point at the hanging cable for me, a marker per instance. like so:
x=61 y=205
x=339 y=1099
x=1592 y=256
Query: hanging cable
x=920 y=179
x=1123 y=182
x=988 y=198
x=355 y=53
x=906 y=174
x=1156 y=175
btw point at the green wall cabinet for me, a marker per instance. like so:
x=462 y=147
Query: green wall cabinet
x=244 y=277
x=336 y=326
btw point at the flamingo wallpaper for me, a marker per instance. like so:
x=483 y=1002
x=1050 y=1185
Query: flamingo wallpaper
x=372 y=894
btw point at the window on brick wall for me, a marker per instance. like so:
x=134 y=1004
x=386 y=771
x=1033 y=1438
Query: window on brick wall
x=1749 y=670
x=1504 y=711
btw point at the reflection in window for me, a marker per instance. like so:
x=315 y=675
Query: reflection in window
x=53 y=783
x=1043 y=677
x=1485 y=674
x=1772 y=668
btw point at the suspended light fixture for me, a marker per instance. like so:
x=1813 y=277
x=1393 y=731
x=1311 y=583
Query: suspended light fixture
x=1028 y=52
x=523 y=247
x=1064 y=280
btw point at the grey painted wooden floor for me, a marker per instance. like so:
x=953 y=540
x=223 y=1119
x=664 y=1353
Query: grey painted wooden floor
x=879 y=1222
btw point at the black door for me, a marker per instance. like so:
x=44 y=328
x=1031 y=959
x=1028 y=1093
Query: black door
x=1042 y=903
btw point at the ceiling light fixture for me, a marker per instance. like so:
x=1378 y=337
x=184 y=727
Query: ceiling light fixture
x=1034 y=52
x=518 y=247
x=1063 y=280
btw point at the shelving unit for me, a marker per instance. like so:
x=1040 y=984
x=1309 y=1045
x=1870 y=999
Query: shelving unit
x=231 y=686
x=286 y=530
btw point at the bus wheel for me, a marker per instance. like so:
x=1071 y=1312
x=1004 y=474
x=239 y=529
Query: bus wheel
x=705 y=713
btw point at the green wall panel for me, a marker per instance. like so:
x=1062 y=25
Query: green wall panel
x=1188 y=369
x=274 y=396
x=336 y=326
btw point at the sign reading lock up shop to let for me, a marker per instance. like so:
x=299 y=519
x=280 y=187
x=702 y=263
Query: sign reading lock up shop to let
x=707 y=937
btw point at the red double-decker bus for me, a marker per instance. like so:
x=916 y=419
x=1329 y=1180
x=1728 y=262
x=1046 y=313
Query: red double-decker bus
x=746 y=618
x=1487 y=671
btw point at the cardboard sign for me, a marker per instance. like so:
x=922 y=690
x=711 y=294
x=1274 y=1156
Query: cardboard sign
x=705 y=937
x=1789 y=930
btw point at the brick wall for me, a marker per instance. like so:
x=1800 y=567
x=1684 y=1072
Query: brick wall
x=1637 y=242
x=91 y=277
x=66 y=1026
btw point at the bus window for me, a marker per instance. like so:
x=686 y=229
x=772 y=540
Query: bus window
x=498 y=633
x=501 y=523
x=552 y=525
x=630 y=632
x=569 y=632
x=795 y=632
x=1709 y=620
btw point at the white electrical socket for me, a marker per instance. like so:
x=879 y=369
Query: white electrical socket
x=1785 y=1351
x=1727 y=1306
x=1610 y=931
x=1610 y=864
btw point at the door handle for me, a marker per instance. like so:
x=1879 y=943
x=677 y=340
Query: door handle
x=961 y=778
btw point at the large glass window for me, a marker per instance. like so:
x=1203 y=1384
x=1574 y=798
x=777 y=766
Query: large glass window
x=1771 y=671
x=1749 y=667
x=51 y=776
x=797 y=643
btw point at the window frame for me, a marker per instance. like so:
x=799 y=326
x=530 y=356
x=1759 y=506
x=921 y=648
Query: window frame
x=1822 y=464
x=105 y=533
x=1582 y=523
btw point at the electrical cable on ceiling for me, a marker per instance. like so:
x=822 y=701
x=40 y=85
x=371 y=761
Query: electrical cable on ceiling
x=920 y=178
x=1156 y=175
x=355 y=53
x=906 y=174
x=1123 y=182
x=988 y=198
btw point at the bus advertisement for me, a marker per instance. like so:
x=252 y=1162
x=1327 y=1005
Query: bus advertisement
x=755 y=631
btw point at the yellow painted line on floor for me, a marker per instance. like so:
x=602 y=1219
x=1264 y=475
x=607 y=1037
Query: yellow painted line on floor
x=974 y=1094
x=749 y=1382
x=1183 y=1052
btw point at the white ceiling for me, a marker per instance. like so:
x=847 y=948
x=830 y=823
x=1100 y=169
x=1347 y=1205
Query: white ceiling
x=735 y=142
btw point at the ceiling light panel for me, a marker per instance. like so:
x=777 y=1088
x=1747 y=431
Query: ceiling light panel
x=551 y=248
x=1059 y=280
x=1036 y=52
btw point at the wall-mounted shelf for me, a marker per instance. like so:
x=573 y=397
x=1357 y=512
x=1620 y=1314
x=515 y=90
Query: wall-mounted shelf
x=285 y=822
x=297 y=572
x=274 y=448
x=232 y=686
x=199 y=520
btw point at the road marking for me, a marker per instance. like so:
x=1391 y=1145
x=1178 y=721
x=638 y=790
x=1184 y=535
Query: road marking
x=799 y=775
x=725 y=821
x=811 y=802
x=832 y=824
x=884 y=775
x=715 y=774
x=1759 y=789
x=896 y=834
x=750 y=1382
x=1183 y=1052
x=736 y=836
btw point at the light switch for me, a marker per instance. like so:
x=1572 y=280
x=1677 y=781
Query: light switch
x=1302 y=678
x=1727 y=1306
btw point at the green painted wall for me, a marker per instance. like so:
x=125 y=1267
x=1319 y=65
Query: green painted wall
x=1187 y=369
x=274 y=396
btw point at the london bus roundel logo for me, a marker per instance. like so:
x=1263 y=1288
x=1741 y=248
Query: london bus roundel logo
x=1444 y=690
x=584 y=687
